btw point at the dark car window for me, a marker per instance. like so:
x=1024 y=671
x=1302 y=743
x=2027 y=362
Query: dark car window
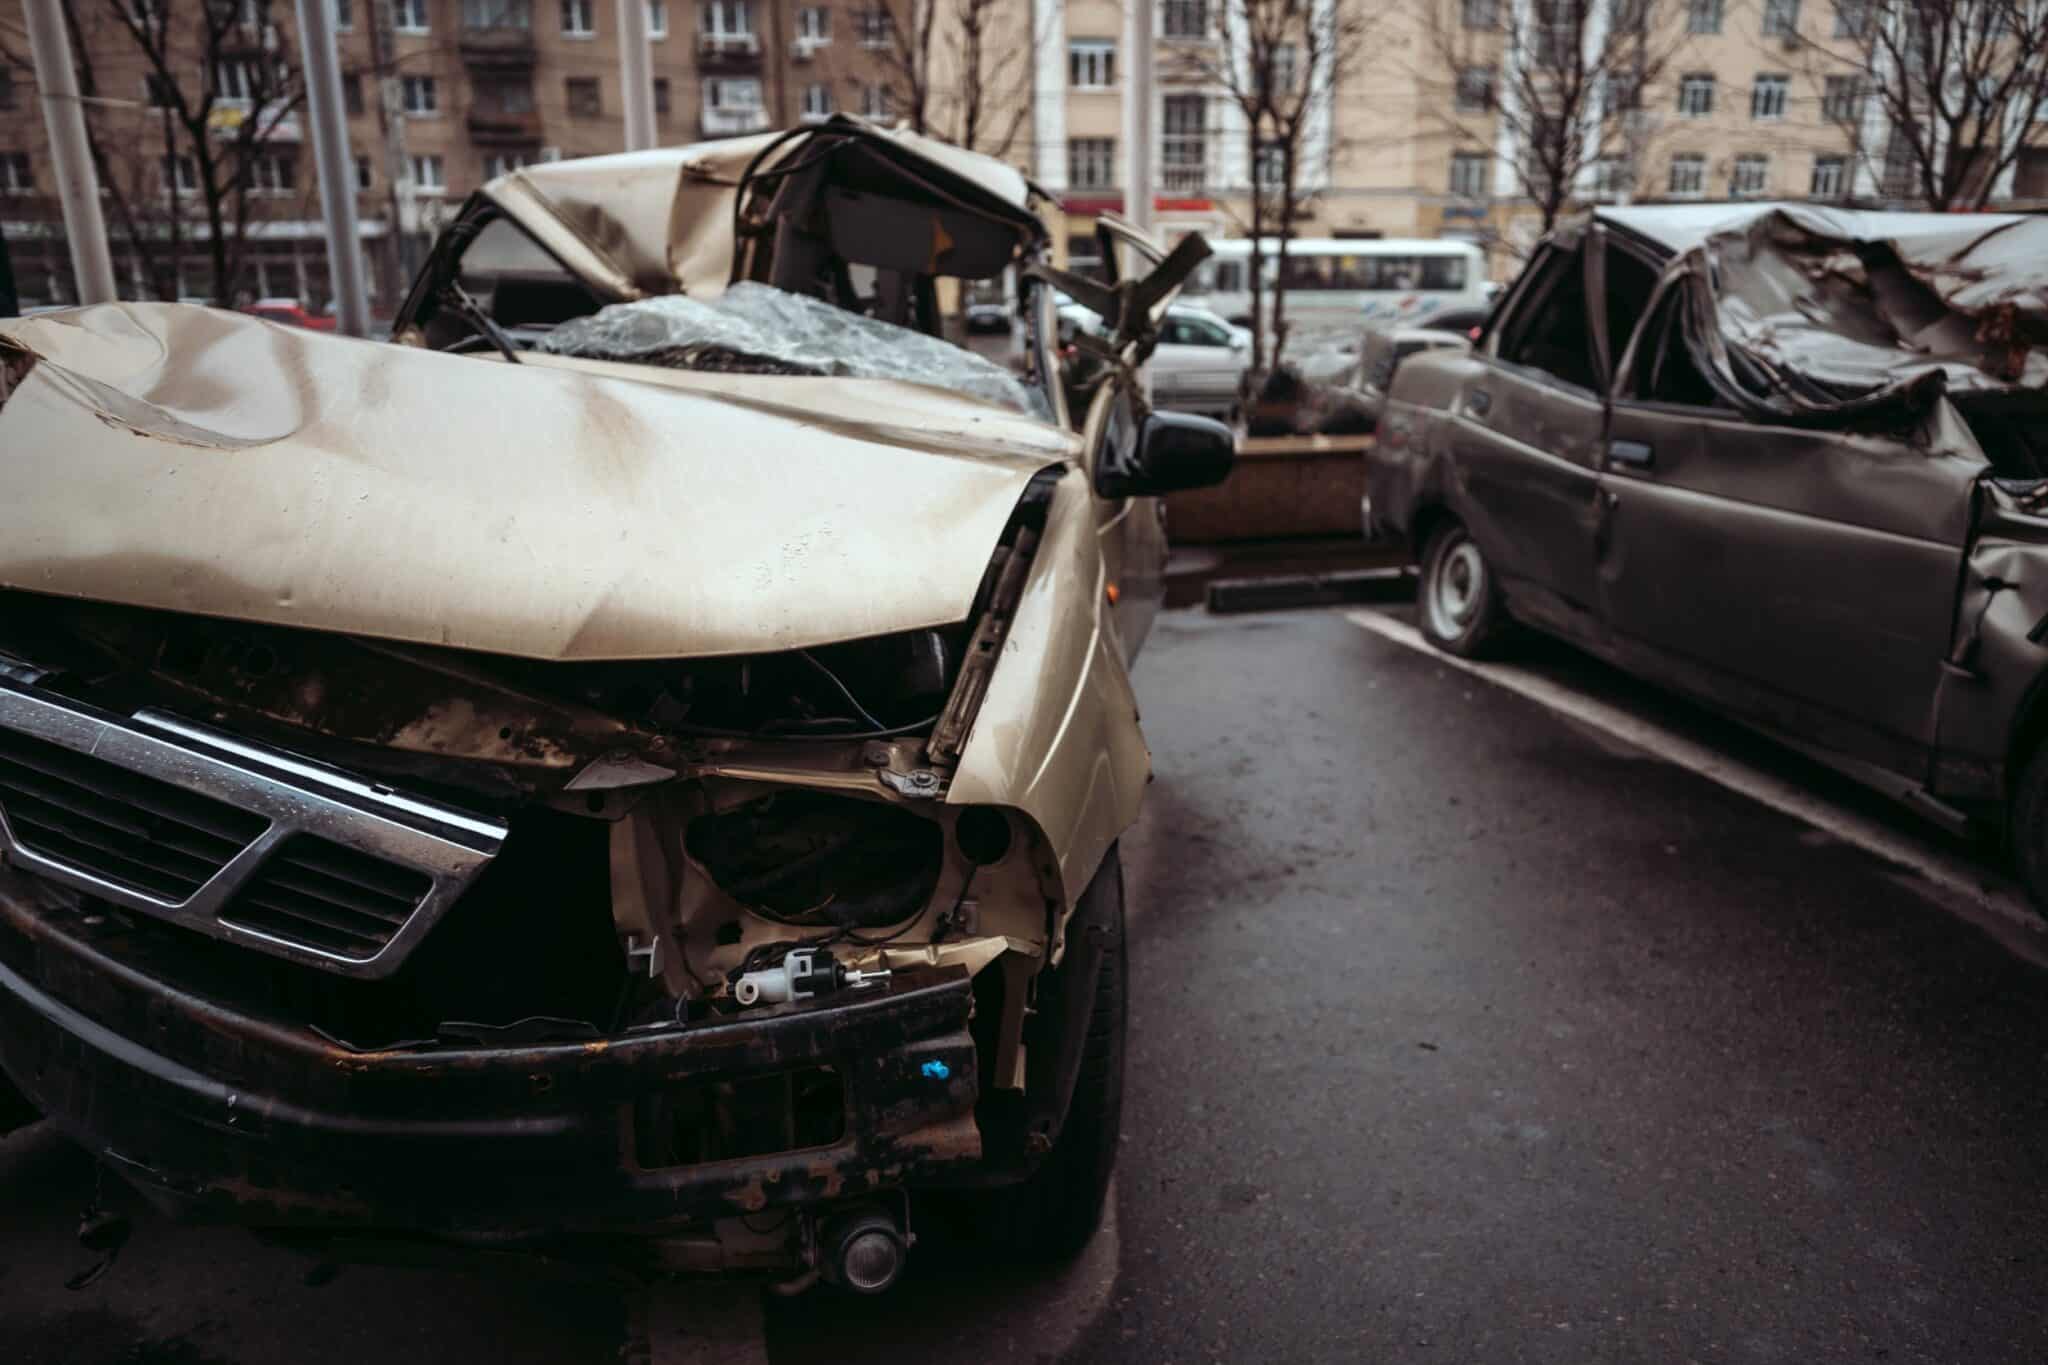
x=1663 y=370
x=1548 y=331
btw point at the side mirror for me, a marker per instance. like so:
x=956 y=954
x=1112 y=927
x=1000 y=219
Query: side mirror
x=1174 y=450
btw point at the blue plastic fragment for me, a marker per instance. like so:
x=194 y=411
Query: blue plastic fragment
x=938 y=1071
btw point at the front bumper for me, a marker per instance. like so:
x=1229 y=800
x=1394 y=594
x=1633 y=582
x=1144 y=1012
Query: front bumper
x=220 y=1112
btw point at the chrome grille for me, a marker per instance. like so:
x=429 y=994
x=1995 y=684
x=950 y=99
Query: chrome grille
x=316 y=892
x=145 y=835
x=228 y=838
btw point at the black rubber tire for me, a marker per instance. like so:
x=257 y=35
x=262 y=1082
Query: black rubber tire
x=1477 y=631
x=2027 y=828
x=1051 y=1215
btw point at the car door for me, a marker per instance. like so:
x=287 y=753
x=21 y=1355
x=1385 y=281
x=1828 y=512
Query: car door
x=1524 y=428
x=1804 y=578
x=1131 y=531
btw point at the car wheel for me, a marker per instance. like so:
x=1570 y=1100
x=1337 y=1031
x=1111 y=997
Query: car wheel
x=2027 y=827
x=1460 y=601
x=1051 y=1215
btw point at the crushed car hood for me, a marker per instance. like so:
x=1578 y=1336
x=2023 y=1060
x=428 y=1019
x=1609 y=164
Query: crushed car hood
x=1836 y=316
x=186 y=459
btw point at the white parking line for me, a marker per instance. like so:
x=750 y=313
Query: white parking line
x=1968 y=889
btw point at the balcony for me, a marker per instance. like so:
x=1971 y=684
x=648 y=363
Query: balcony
x=725 y=51
x=496 y=127
x=503 y=47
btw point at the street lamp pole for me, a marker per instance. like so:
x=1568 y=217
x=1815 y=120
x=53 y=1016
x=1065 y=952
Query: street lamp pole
x=332 y=164
x=636 y=75
x=78 y=187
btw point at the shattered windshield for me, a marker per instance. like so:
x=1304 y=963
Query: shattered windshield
x=758 y=329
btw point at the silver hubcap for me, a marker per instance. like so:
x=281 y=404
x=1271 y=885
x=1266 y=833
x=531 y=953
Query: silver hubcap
x=1456 y=589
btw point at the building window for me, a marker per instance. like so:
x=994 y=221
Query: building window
x=344 y=14
x=1091 y=163
x=814 y=25
x=7 y=96
x=1184 y=143
x=1286 y=67
x=352 y=93
x=1559 y=33
x=1184 y=18
x=421 y=94
x=1475 y=90
x=1469 y=174
x=661 y=96
x=409 y=16
x=428 y=177
x=1703 y=16
x=1841 y=99
x=579 y=18
x=1751 y=176
x=732 y=94
x=270 y=173
x=876 y=101
x=366 y=178
x=1620 y=92
x=506 y=96
x=584 y=95
x=1611 y=177
x=504 y=163
x=1269 y=166
x=657 y=19
x=1688 y=176
x=1781 y=18
x=1900 y=177
x=1830 y=177
x=817 y=101
x=488 y=14
x=240 y=80
x=158 y=91
x=181 y=173
x=15 y=175
x=1481 y=13
x=1852 y=18
x=727 y=20
x=1696 y=94
x=1091 y=64
x=1767 y=97
x=873 y=26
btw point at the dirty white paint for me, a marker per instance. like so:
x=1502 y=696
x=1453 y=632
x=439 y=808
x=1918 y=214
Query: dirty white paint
x=1969 y=889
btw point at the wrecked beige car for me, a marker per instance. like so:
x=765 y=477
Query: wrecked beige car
x=1788 y=460
x=658 y=775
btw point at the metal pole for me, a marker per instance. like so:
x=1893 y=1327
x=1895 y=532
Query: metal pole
x=636 y=75
x=331 y=160
x=1141 y=48
x=78 y=187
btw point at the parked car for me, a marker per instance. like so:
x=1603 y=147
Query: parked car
x=1792 y=462
x=662 y=783
x=1199 y=363
x=292 y=313
x=988 y=316
x=1380 y=356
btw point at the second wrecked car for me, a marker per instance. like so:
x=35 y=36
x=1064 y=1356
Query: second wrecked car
x=659 y=775
x=1790 y=460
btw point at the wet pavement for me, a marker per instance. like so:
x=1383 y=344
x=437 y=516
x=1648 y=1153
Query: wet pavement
x=1460 y=1032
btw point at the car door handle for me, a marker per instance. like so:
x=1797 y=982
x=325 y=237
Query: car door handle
x=1478 y=402
x=1633 y=453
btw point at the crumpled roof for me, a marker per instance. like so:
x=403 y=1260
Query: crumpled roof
x=1832 y=316
x=754 y=328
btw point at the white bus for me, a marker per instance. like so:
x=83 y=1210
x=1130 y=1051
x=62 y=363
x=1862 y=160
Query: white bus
x=1343 y=283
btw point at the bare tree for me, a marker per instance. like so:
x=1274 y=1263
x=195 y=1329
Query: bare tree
x=952 y=68
x=1959 y=88
x=1564 y=80
x=1279 y=65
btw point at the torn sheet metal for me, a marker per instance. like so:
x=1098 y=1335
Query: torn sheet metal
x=758 y=329
x=1836 y=317
x=533 y=511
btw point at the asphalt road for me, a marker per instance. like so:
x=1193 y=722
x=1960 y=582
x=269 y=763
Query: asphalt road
x=1461 y=1031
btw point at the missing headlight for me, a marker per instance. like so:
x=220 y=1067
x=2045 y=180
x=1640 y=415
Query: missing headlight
x=813 y=860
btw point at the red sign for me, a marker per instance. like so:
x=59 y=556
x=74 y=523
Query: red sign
x=1115 y=204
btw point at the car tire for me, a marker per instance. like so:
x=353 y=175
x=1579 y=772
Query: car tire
x=1458 y=597
x=2027 y=827
x=1050 y=1215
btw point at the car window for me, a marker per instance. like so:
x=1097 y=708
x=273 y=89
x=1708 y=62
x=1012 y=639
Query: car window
x=1187 y=331
x=1662 y=369
x=1630 y=282
x=1548 y=331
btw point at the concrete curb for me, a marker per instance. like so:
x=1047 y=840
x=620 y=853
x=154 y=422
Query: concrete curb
x=1233 y=595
